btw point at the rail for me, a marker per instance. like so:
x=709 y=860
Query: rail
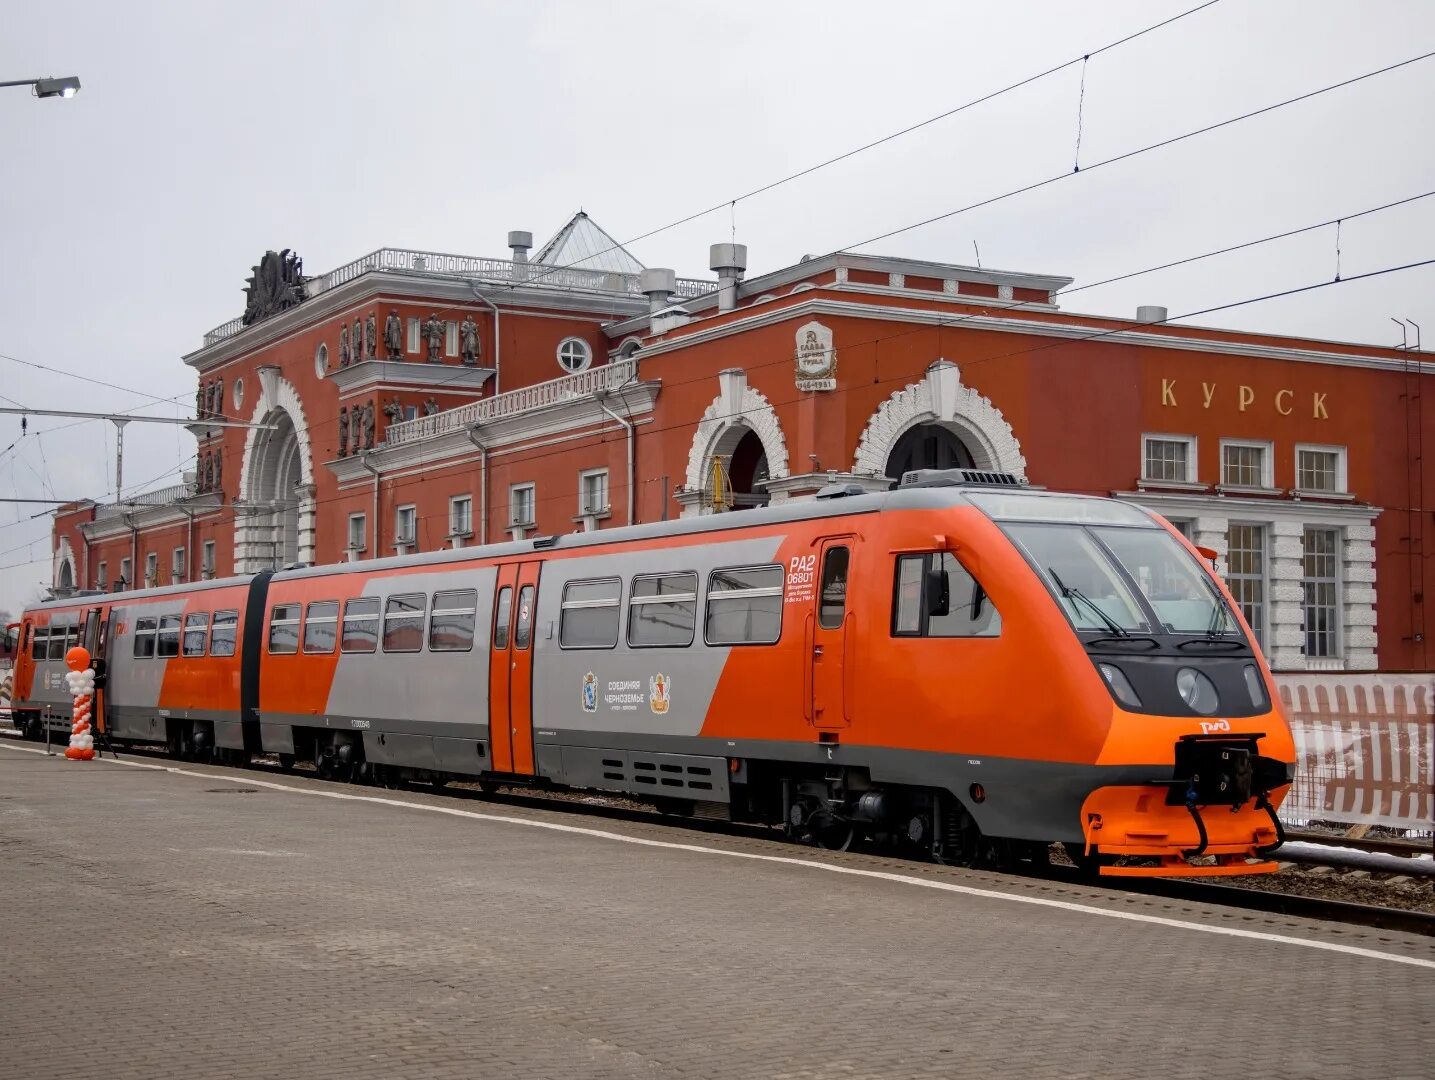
x=161 y=497
x=525 y=399
x=443 y=264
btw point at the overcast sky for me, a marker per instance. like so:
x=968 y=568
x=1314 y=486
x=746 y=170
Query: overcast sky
x=207 y=133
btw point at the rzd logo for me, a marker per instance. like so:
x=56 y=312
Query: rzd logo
x=1210 y=727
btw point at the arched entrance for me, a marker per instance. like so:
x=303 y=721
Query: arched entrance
x=67 y=577
x=741 y=428
x=746 y=471
x=274 y=478
x=928 y=446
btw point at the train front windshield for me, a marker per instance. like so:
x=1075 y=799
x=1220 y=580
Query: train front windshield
x=1109 y=566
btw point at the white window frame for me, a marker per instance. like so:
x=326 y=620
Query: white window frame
x=1191 y=446
x=207 y=560
x=1266 y=531
x=127 y=573
x=403 y=540
x=363 y=544
x=415 y=336
x=178 y=566
x=1268 y=464
x=513 y=522
x=583 y=506
x=450 y=338
x=583 y=346
x=456 y=533
x=102 y=576
x=1342 y=479
x=151 y=569
x=1335 y=660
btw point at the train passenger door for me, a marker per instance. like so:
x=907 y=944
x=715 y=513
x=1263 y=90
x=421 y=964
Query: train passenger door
x=510 y=668
x=828 y=629
x=95 y=639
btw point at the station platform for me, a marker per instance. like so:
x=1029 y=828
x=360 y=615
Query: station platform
x=190 y=921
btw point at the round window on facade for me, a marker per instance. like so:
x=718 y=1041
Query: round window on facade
x=238 y=393
x=574 y=355
x=321 y=360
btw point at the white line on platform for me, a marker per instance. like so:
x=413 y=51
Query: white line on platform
x=249 y=780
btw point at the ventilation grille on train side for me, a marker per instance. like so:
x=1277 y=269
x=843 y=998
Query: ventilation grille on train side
x=959 y=478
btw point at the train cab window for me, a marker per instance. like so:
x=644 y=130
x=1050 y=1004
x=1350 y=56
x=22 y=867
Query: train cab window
x=222 y=633
x=451 y=621
x=523 y=625
x=284 y=629
x=404 y=622
x=832 y=601
x=196 y=629
x=60 y=634
x=40 y=644
x=321 y=626
x=168 y=640
x=590 y=614
x=502 y=611
x=663 y=610
x=744 y=606
x=935 y=596
x=144 y=638
x=361 y=625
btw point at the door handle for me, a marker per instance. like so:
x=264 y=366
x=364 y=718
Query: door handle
x=817 y=650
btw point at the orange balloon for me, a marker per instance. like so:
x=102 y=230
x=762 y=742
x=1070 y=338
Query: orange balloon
x=78 y=658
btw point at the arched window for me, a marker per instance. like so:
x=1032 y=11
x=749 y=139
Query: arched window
x=321 y=360
x=574 y=355
x=928 y=446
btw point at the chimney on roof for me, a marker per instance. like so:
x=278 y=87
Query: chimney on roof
x=729 y=261
x=520 y=242
x=658 y=284
x=1151 y=313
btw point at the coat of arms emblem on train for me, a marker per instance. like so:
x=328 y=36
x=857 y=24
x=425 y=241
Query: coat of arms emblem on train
x=660 y=691
x=590 y=692
x=816 y=358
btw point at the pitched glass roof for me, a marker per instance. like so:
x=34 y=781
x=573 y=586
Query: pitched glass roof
x=582 y=244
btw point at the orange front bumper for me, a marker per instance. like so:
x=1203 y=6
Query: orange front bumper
x=1136 y=821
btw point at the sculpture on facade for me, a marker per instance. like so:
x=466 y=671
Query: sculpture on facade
x=359 y=340
x=394 y=335
x=469 y=347
x=369 y=424
x=219 y=470
x=356 y=428
x=393 y=410
x=199 y=401
x=344 y=355
x=371 y=337
x=343 y=432
x=431 y=406
x=433 y=331
x=276 y=284
x=207 y=479
x=219 y=396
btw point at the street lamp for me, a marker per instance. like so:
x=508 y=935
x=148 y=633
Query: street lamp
x=65 y=87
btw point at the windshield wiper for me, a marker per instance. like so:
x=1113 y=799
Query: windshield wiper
x=1212 y=642
x=1125 y=639
x=1220 y=617
x=1072 y=591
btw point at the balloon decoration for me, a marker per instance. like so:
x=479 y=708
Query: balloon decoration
x=81 y=681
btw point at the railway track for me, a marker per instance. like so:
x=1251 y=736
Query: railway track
x=1250 y=896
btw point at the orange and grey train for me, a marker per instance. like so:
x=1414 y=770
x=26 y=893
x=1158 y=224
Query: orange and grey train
x=962 y=666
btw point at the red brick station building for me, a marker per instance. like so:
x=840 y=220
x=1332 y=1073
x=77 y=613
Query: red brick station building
x=414 y=400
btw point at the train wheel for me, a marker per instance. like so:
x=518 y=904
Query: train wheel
x=286 y=762
x=832 y=833
x=956 y=840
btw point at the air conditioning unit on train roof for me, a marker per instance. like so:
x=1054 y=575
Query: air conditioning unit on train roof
x=959 y=478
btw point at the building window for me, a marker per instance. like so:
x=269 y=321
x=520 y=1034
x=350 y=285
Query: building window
x=1320 y=469
x=413 y=344
x=1320 y=567
x=358 y=525
x=662 y=610
x=1169 y=458
x=151 y=569
x=238 y=393
x=521 y=506
x=574 y=355
x=593 y=492
x=176 y=566
x=102 y=577
x=450 y=339
x=589 y=618
x=207 y=563
x=1246 y=464
x=321 y=360
x=1246 y=573
x=460 y=515
x=125 y=581
x=405 y=525
x=744 y=606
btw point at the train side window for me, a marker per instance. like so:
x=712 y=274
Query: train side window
x=832 y=600
x=663 y=610
x=321 y=626
x=223 y=633
x=361 y=625
x=501 y=612
x=451 y=621
x=404 y=622
x=934 y=595
x=168 y=642
x=59 y=639
x=144 y=638
x=40 y=643
x=590 y=615
x=523 y=627
x=284 y=629
x=196 y=629
x=744 y=606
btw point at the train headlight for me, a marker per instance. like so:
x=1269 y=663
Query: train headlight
x=1197 y=691
x=1120 y=685
x=1253 y=685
